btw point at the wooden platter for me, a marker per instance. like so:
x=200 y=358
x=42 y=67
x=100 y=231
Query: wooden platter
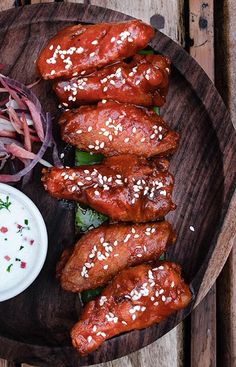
x=34 y=326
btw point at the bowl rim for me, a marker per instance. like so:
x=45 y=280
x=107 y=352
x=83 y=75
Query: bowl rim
x=15 y=290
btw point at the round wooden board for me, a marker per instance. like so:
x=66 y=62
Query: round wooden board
x=35 y=325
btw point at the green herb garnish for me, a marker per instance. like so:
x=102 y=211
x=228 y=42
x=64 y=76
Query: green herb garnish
x=8 y=269
x=83 y=158
x=26 y=222
x=87 y=218
x=5 y=204
x=146 y=52
x=87 y=296
x=156 y=109
x=163 y=256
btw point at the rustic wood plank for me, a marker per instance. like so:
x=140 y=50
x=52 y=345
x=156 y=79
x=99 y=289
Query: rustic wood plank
x=225 y=242
x=148 y=356
x=226 y=53
x=203 y=318
x=167 y=16
x=226 y=309
x=226 y=313
x=203 y=332
x=226 y=83
x=6 y=4
x=163 y=351
x=201 y=30
x=4 y=363
x=41 y=1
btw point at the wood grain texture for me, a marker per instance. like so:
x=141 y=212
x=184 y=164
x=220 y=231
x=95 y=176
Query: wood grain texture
x=226 y=59
x=4 y=363
x=6 y=4
x=203 y=332
x=169 y=112
x=227 y=313
x=167 y=351
x=41 y=1
x=203 y=317
x=201 y=30
x=153 y=353
x=167 y=16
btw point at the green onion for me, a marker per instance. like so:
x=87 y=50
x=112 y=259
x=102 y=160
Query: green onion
x=163 y=256
x=156 y=109
x=83 y=158
x=146 y=52
x=8 y=269
x=89 y=295
x=87 y=218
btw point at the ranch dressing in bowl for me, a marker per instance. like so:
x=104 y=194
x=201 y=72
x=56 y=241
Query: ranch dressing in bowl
x=23 y=242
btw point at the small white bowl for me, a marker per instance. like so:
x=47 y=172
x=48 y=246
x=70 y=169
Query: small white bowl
x=11 y=286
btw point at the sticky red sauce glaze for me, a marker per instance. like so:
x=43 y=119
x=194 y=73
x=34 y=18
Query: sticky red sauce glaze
x=84 y=48
x=116 y=128
x=102 y=252
x=126 y=188
x=144 y=81
x=135 y=299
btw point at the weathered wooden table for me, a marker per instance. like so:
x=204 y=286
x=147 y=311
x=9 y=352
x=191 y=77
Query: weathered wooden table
x=207 y=30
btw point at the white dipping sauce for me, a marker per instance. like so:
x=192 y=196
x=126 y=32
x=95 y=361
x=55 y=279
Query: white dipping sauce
x=23 y=242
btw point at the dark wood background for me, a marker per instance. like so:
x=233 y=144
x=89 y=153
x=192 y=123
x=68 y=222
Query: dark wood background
x=208 y=337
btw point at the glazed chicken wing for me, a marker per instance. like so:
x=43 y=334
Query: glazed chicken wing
x=103 y=252
x=114 y=128
x=126 y=188
x=136 y=298
x=81 y=49
x=144 y=81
